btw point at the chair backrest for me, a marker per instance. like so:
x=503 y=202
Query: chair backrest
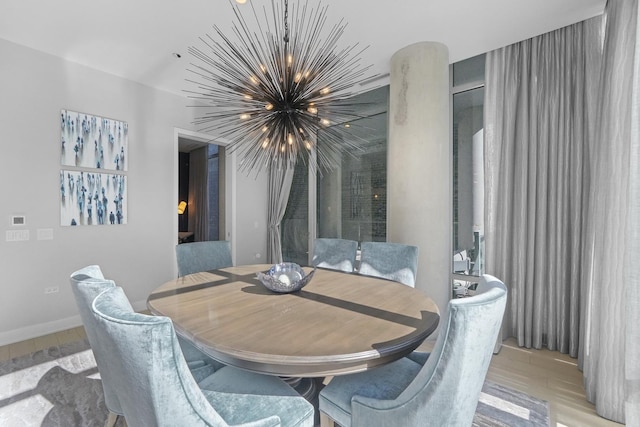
x=153 y=380
x=393 y=261
x=335 y=254
x=86 y=284
x=203 y=256
x=446 y=390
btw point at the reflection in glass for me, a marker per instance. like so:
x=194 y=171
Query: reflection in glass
x=294 y=229
x=352 y=200
x=468 y=182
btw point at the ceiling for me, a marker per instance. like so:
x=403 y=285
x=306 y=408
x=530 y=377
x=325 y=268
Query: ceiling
x=136 y=39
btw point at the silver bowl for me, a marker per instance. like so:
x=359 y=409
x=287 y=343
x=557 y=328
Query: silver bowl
x=285 y=277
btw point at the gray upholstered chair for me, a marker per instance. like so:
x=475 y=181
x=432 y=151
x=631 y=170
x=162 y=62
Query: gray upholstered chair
x=203 y=256
x=155 y=387
x=86 y=284
x=335 y=254
x=393 y=261
x=439 y=390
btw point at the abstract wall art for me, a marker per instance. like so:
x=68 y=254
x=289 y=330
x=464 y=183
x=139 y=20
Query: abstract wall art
x=88 y=141
x=90 y=198
x=93 y=180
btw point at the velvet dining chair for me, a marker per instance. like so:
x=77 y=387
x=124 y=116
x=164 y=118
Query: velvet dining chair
x=437 y=389
x=335 y=254
x=86 y=284
x=155 y=387
x=203 y=256
x=393 y=261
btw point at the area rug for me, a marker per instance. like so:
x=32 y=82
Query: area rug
x=60 y=387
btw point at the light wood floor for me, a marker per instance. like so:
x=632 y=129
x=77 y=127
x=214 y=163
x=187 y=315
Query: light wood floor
x=545 y=374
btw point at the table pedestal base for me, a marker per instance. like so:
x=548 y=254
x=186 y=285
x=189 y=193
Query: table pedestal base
x=309 y=389
x=306 y=387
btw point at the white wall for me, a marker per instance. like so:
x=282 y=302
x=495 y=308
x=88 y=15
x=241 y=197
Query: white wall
x=139 y=256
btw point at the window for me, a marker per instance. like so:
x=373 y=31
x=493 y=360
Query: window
x=468 y=170
x=213 y=187
x=349 y=202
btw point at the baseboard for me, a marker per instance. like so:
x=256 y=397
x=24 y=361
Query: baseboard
x=34 y=331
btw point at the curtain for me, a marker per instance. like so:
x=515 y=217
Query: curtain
x=538 y=97
x=280 y=179
x=610 y=351
x=199 y=194
x=563 y=198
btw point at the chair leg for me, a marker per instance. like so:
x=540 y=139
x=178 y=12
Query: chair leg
x=325 y=421
x=111 y=420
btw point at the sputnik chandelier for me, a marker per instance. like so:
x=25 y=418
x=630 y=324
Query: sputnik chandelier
x=277 y=86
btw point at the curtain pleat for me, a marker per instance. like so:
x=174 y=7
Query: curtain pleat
x=536 y=174
x=199 y=194
x=280 y=179
x=632 y=274
x=609 y=352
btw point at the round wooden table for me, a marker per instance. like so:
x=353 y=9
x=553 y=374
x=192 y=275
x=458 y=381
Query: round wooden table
x=338 y=324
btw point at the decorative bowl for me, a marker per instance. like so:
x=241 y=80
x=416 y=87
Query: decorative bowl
x=285 y=277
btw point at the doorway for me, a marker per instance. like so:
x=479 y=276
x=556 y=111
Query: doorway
x=202 y=159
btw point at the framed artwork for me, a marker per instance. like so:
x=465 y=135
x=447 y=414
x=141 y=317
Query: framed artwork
x=88 y=141
x=92 y=198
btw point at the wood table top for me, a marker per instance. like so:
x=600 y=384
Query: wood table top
x=339 y=323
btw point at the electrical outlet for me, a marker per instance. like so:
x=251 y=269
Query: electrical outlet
x=51 y=290
x=45 y=234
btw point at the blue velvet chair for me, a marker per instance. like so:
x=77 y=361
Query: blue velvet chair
x=335 y=254
x=393 y=261
x=203 y=256
x=155 y=387
x=86 y=284
x=439 y=390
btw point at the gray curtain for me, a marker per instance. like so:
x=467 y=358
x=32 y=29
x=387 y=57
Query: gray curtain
x=610 y=351
x=563 y=198
x=538 y=98
x=280 y=179
x=199 y=194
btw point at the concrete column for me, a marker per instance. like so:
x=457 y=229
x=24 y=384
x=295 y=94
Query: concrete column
x=419 y=179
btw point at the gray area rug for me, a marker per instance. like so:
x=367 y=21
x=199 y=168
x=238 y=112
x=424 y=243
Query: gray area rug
x=60 y=387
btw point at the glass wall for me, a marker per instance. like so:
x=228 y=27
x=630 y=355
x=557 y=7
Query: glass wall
x=468 y=171
x=350 y=201
x=294 y=229
x=213 y=187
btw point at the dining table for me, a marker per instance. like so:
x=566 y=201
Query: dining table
x=339 y=323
